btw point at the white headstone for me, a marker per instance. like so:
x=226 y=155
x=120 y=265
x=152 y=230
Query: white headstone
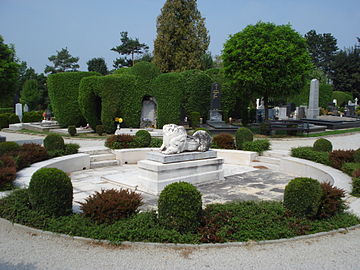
x=335 y=101
x=19 y=111
x=356 y=101
x=282 y=113
x=26 y=108
x=314 y=111
x=257 y=103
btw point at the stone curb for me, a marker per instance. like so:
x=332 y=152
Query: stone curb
x=26 y=229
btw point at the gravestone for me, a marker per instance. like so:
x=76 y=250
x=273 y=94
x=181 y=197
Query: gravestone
x=350 y=111
x=314 y=111
x=300 y=113
x=283 y=113
x=215 y=105
x=148 y=113
x=19 y=111
x=2 y=139
x=26 y=108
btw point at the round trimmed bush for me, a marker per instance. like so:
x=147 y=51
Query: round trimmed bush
x=180 y=207
x=302 y=197
x=51 y=191
x=322 y=145
x=243 y=135
x=143 y=138
x=71 y=148
x=357 y=155
x=54 y=142
x=111 y=205
x=100 y=130
x=8 y=147
x=72 y=130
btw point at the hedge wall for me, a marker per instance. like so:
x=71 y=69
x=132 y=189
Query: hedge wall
x=101 y=99
x=63 y=93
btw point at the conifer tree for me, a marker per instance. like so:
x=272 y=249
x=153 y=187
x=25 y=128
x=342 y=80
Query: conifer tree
x=182 y=38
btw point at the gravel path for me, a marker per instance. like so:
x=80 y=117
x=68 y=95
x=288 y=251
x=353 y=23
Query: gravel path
x=24 y=250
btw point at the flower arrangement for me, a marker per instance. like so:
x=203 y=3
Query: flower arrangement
x=119 y=120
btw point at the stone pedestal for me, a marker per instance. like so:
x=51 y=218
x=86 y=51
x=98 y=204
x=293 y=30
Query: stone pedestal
x=314 y=110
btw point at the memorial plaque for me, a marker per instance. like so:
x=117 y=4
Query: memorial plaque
x=215 y=97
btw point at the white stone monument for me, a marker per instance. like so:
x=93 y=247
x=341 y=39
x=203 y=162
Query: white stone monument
x=19 y=110
x=282 y=113
x=314 y=111
x=26 y=108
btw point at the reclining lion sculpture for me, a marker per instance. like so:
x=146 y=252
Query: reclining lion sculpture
x=176 y=140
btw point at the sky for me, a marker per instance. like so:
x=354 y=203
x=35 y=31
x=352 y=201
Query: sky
x=90 y=28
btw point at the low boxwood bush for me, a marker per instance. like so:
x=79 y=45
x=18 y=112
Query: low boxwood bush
x=30 y=153
x=350 y=167
x=357 y=155
x=180 y=207
x=4 y=121
x=71 y=148
x=6 y=110
x=243 y=135
x=108 y=206
x=54 y=142
x=72 y=130
x=6 y=147
x=257 y=146
x=339 y=157
x=322 y=145
x=7 y=170
x=100 y=130
x=13 y=118
x=224 y=141
x=51 y=191
x=302 y=197
x=156 y=142
x=356 y=187
x=309 y=154
x=332 y=201
x=142 y=138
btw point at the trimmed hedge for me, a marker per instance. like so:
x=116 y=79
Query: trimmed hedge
x=302 y=197
x=356 y=187
x=243 y=135
x=6 y=147
x=51 y=191
x=309 y=154
x=63 y=93
x=34 y=116
x=350 y=167
x=6 y=110
x=142 y=138
x=257 y=146
x=322 y=145
x=54 y=142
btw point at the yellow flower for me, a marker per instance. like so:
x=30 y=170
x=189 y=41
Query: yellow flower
x=118 y=119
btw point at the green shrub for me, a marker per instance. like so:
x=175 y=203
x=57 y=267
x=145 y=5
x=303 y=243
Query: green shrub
x=100 y=130
x=322 y=145
x=356 y=187
x=30 y=153
x=180 y=207
x=195 y=119
x=309 y=154
x=341 y=97
x=357 y=155
x=63 y=93
x=56 y=153
x=120 y=141
x=350 y=167
x=156 y=142
x=34 y=116
x=72 y=130
x=6 y=147
x=142 y=138
x=71 y=148
x=257 y=146
x=4 y=121
x=54 y=142
x=51 y=191
x=6 y=110
x=331 y=202
x=243 y=135
x=224 y=141
x=111 y=205
x=302 y=197
x=13 y=118
x=339 y=157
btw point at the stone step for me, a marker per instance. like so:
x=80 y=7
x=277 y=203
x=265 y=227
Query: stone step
x=276 y=153
x=101 y=157
x=270 y=160
x=97 y=150
x=103 y=163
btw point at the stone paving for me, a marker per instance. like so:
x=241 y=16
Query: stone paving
x=241 y=183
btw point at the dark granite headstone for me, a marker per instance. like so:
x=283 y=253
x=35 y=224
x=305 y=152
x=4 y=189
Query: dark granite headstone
x=2 y=139
x=215 y=97
x=350 y=111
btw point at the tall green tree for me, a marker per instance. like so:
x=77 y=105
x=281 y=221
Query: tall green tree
x=63 y=61
x=130 y=47
x=9 y=74
x=322 y=49
x=97 y=65
x=346 y=70
x=30 y=94
x=267 y=60
x=182 y=38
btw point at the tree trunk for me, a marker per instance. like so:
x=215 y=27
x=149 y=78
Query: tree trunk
x=266 y=105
